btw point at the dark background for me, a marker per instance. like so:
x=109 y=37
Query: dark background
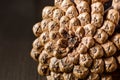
x=16 y=20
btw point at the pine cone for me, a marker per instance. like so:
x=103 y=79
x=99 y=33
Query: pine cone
x=77 y=40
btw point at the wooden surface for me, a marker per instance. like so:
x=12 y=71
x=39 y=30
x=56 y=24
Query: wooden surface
x=16 y=20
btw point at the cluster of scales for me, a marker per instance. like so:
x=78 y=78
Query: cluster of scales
x=78 y=40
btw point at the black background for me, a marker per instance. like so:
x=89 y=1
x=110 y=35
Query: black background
x=16 y=20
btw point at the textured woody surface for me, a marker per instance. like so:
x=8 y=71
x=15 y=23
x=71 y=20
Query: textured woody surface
x=100 y=20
